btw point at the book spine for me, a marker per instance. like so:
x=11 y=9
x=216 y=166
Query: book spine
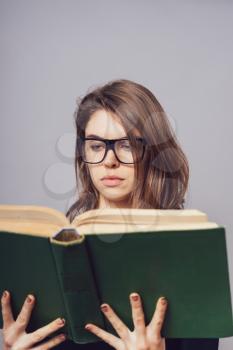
x=78 y=289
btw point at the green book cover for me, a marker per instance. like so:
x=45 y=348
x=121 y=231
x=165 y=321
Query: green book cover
x=72 y=274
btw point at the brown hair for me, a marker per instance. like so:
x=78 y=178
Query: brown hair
x=161 y=178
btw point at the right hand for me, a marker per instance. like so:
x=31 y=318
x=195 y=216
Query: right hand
x=14 y=334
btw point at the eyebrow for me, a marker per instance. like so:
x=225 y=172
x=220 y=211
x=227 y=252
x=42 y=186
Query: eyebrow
x=101 y=138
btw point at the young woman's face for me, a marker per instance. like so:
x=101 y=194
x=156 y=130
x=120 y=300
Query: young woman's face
x=112 y=193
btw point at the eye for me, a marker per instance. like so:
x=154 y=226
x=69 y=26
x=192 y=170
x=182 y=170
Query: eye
x=125 y=145
x=97 y=146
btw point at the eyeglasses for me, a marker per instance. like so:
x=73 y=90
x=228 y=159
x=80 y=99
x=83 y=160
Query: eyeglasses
x=94 y=150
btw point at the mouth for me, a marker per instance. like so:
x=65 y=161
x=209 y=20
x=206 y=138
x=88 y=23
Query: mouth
x=112 y=177
x=112 y=181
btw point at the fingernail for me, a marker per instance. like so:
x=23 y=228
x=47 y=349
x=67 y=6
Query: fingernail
x=62 y=336
x=61 y=321
x=104 y=308
x=163 y=300
x=135 y=297
x=5 y=294
x=88 y=327
x=29 y=299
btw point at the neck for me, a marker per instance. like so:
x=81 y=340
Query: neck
x=105 y=203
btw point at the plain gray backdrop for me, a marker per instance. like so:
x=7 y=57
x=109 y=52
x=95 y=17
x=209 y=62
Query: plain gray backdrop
x=53 y=51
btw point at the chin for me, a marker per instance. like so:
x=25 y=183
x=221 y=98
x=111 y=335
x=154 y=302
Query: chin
x=116 y=197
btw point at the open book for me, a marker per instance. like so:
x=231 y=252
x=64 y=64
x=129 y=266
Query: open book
x=106 y=254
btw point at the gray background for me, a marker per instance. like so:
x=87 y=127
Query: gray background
x=53 y=51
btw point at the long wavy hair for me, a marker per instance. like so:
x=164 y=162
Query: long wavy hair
x=161 y=177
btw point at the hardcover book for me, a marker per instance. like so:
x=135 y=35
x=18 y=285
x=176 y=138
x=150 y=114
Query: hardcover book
x=106 y=254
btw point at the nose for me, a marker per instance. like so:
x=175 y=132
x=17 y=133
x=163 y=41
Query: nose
x=110 y=159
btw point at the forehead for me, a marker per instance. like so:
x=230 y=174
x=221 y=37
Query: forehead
x=104 y=124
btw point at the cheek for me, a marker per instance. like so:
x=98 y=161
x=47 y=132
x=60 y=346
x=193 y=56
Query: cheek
x=95 y=174
x=129 y=176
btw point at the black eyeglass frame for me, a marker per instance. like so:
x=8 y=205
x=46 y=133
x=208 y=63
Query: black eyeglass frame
x=110 y=144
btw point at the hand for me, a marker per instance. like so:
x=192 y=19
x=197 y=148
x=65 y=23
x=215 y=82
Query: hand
x=14 y=335
x=142 y=337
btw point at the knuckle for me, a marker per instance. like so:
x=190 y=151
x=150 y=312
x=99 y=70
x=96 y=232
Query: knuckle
x=162 y=308
x=22 y=320
x=142 y=346
x=37 y=337
x=98 y=330
x=54 y=341
x=159 y=312
x=5 y=304
x=156 y=342
x=111 y=316
x=124 y=333
x=4 y=313
x=45 y=346
x=161 y=315
x=119 y=327
x=137 y=305
x=139 y=319
x=121 y=330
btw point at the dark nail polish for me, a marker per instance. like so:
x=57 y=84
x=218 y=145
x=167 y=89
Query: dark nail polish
x=61 y=321
x=62 y=336
x=104 y=308
x=29 y=299
x=163 y=300
x=135 y=297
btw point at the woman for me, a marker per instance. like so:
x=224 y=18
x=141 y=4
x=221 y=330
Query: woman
x=126 y=157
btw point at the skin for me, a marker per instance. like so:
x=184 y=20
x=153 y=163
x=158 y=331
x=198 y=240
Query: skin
x=142 y=337
x=101 y=123
x=14 y=334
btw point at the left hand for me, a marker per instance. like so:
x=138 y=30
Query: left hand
x=142 y=337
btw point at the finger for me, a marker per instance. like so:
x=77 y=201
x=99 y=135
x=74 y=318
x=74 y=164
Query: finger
x=25 y=313
x=7 y=315
x=43 y=332
x=158 y=317
x=115 y=321
x=105 y=336
x=51 y=343
x=138 y=314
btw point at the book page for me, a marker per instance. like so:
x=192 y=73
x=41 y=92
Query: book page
x=37 y=220
x=140 y=216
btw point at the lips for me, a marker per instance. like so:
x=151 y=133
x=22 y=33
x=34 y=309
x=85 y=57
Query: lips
x=112 y=178
x=112 y=181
